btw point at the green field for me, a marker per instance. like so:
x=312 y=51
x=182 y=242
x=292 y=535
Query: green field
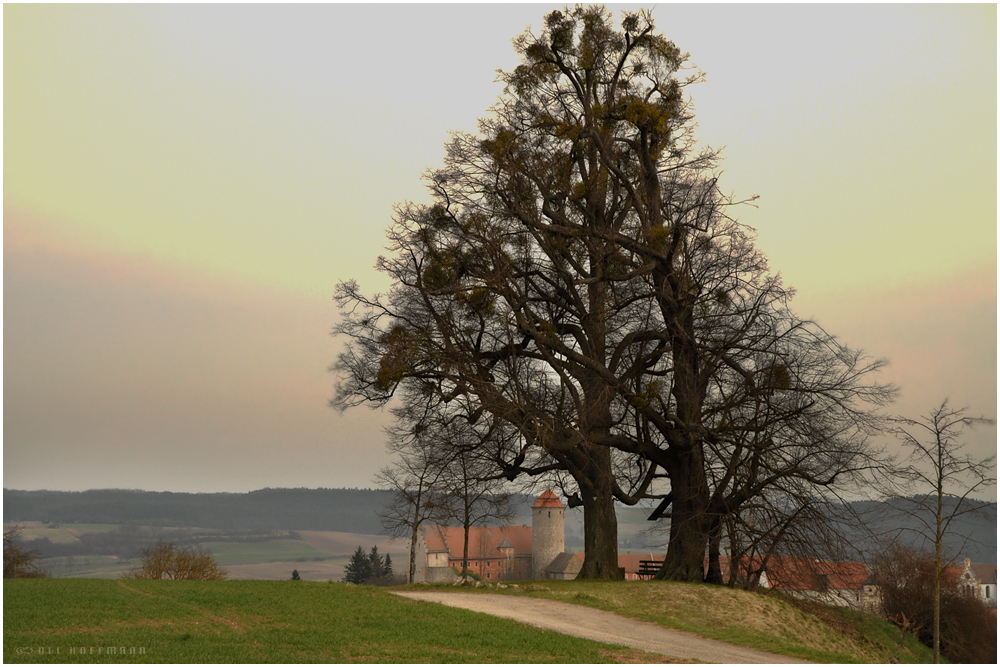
x=84 y=566
x=100 y=621
x=232 y=553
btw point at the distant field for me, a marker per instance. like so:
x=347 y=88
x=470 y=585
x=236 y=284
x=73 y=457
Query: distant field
x=232 y=553
x=344 y=544
x=93 y=621
x=64 y=533
x=318 y=556
x=101 y=567
x=323 y=570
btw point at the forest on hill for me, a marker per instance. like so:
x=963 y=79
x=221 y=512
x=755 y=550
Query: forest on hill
x=346 y=510
x=355 y=511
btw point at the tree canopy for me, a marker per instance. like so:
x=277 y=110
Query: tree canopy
x=580 y=283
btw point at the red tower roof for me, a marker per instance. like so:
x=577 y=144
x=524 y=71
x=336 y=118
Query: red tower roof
x=548 y=499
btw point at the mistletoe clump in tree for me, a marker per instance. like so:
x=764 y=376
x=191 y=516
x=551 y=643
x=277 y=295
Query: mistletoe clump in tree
x=579 y=280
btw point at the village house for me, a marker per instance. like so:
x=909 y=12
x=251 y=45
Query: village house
x=836 y=583
x=979 y=580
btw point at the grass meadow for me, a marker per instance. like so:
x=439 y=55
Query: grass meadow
x=108 y=621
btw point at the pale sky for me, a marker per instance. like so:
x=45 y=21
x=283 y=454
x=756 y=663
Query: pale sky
x=185 y=185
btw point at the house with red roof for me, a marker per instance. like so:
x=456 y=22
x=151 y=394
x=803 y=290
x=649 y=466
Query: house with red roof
x=500 y=553
x=495 y=553
x=830 y=582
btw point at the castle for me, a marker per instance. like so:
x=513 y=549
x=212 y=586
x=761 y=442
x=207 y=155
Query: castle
x=501 y=554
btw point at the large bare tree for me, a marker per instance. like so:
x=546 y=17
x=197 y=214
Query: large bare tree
x=580 y=279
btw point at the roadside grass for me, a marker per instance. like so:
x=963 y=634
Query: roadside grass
x=766 y=622
x=100 y=621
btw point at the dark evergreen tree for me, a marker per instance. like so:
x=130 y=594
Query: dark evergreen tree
x=295 y=575
x=387 y=567
x=376 y=566
x=359 y=569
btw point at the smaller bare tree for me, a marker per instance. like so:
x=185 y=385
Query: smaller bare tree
x=473 y=495
x=164 y=560
x=937 y=460
x=413 y=478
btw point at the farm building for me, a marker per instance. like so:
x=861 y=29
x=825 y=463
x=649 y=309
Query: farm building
x=498 y=553
x=510 y=553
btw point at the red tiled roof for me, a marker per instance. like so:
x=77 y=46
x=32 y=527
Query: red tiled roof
x=806 y=574
x=435 y=539
x=985 y=572
x=548 y=499
x=483 y=541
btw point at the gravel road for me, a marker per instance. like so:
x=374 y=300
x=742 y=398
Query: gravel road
x=602 y=626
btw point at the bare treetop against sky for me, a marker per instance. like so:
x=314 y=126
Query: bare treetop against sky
x=185 y=185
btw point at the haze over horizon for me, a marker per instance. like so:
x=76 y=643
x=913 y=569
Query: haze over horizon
x=185 y=185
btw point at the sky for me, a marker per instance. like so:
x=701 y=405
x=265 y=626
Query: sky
x=185 y=185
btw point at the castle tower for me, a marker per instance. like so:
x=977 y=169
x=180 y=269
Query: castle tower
x=548 y=537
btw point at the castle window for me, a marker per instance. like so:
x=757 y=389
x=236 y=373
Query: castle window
x=987 y=592
x=488 y=575
x=487 y=563
x=550 y=514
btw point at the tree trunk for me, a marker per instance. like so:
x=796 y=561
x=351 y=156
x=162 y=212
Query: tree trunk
x=938 y=541
x=600 y=524
x=600 y=536
x=689 y=520
x=465 y=549
x=413 y=553
x=714 y=575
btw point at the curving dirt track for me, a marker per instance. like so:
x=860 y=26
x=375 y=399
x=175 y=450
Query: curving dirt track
x=602 y=626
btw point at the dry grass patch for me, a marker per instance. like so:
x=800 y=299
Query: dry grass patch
x=632 y=656
x=765 y=622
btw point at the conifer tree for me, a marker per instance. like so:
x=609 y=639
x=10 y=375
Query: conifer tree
x=359 y=569
x=376 y=565
x=387 y=567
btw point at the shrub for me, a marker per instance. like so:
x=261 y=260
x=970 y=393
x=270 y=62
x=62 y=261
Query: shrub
x=164 y=560
x=18 y=562
x=906 y=584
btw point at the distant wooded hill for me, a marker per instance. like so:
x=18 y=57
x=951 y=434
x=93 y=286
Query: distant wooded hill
x=355 y=511
x=346 y=510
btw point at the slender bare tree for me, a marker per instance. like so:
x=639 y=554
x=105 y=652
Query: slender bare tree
x=938 y=462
